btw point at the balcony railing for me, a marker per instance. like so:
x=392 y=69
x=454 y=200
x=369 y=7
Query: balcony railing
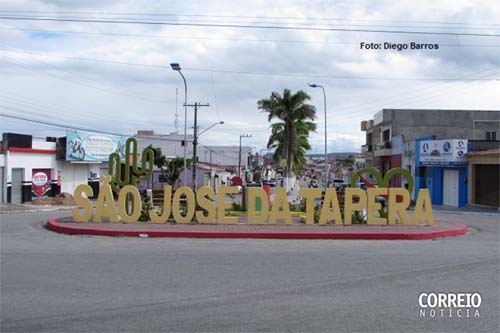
x=383 y=145
x=366 y=148
x=383 y=149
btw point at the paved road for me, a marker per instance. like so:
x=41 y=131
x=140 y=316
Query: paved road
x=58 y=283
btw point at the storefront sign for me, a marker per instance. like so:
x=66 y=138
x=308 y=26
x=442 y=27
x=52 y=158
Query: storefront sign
x=93 y=147
x=40 y=183
x=443 y=152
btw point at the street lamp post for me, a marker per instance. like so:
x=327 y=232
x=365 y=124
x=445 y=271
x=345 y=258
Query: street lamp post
x=313 y=85
x=239 y=154
x=177 y=67
x=209 y=127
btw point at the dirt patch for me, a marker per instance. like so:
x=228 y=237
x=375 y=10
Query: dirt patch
x=63 y=199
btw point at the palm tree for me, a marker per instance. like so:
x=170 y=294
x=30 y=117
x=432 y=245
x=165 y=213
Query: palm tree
x=289 y=136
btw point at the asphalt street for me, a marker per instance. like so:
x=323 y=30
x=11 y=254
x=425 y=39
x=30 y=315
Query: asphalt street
x=57 y=283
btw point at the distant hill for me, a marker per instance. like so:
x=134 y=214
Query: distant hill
x=334 y=155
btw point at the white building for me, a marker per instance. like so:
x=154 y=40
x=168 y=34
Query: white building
x=172 y=145
x=33 y=167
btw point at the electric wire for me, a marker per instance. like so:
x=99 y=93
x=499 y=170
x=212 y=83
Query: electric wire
x=79 y=82
x=260 y=73
x=245 y=26
x=241 y=17
x=93 y=130
x=200 y=38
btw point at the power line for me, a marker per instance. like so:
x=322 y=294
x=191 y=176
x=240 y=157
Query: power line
x=42 y=113
x=242 y=17
x=243 y=26
x=256 y=40
x=102 y=132
x=81 y=82
x=259 y=22
x=49 y=123
x=413 y=95
x=223 y=71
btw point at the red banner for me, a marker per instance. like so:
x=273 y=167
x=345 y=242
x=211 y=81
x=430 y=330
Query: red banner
x=40 y=183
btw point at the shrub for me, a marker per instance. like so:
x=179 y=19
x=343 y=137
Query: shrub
x=146 y=206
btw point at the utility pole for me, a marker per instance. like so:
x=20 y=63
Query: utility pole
x=239 y=154
x=195 y=140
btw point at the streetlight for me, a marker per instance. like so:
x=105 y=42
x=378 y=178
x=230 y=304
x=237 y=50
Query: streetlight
x=215 y=124
x=239 y=155
x=177 y=67
x=314 y=85
x=209 y=127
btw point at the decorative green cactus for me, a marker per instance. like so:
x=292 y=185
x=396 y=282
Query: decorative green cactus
x=133 y=172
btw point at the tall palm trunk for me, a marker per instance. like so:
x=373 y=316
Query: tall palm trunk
x=289 y=150
x=289 y=135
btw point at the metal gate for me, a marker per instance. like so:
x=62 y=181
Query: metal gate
x=450 y=188
x=2 y=185
x=17 y=186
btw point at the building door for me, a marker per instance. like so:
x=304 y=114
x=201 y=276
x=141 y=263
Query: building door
x=488 y=185
x=17 y=186
x=2 y=185
x=450 y=188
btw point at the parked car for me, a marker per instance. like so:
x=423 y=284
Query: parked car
x=272 y=182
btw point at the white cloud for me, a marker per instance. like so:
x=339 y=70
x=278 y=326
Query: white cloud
x=108 y=95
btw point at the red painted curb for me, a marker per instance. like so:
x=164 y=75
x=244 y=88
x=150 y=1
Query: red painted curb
x=66 y=228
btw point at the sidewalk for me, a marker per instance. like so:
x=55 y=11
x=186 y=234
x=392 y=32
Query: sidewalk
x=482 y=210
x=30 y=208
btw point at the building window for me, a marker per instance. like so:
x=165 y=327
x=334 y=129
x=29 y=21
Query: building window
x=386 y=135
x=369 y=138
x=491 y=136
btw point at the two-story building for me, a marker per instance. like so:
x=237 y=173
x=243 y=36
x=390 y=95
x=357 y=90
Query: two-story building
x=432 y=144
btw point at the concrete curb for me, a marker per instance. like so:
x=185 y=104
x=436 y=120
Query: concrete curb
x=264 y=232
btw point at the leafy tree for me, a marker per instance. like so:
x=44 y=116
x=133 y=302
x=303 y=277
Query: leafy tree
x=170 y=168
x=290 y=134
x=174 y=169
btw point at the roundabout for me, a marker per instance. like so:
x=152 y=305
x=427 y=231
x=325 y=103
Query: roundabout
x=66 y=225
x=337 y=217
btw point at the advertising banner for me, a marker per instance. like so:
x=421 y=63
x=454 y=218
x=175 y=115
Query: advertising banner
x=443 y=152
x=93 y=147
x=40 y=183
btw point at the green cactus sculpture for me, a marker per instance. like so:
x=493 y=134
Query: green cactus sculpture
x=133 y=172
